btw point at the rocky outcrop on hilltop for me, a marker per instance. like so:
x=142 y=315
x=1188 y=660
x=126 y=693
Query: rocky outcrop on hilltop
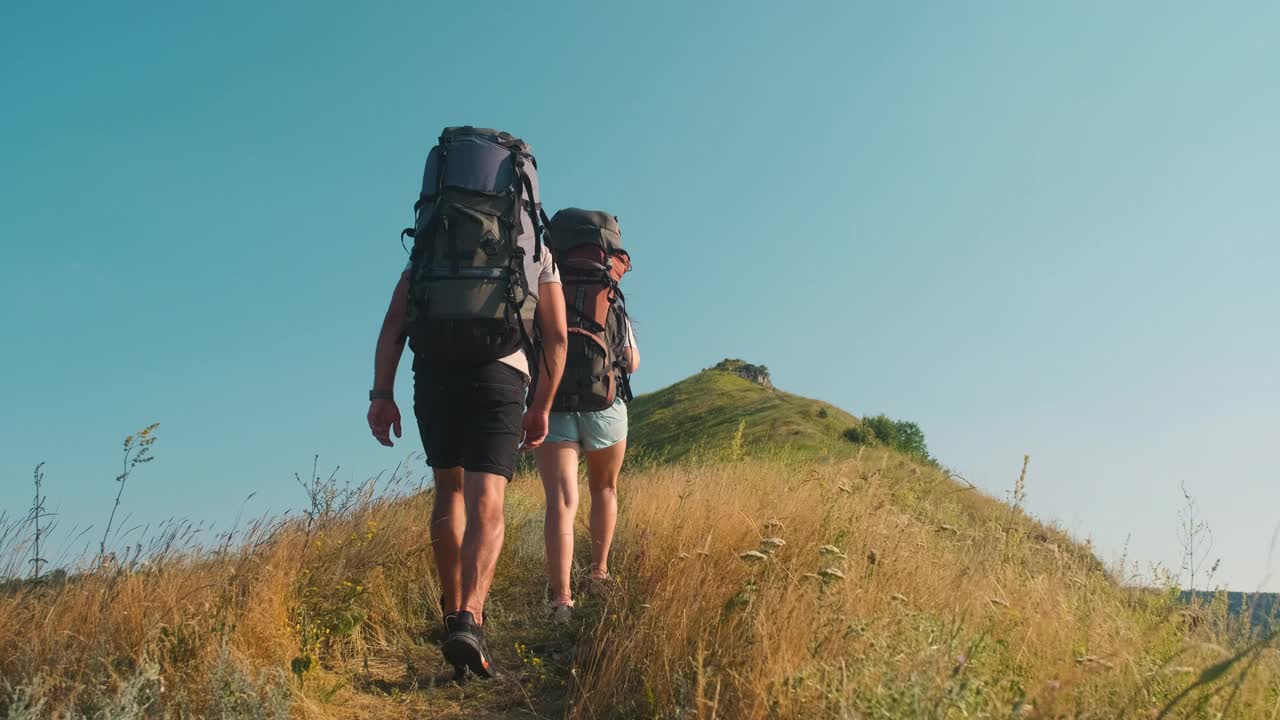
x=758 y=374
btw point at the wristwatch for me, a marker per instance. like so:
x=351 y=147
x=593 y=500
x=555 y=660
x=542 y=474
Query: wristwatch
x=376 y=394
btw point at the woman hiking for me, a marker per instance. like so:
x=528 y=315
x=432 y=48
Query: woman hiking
x=589 y=415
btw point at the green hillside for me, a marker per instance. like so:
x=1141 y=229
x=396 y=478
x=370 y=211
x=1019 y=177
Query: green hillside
x=829 y=581
x=706 y=410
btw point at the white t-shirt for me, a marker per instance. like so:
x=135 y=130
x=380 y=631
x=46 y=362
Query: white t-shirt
x=544 y=271
x=630 y=342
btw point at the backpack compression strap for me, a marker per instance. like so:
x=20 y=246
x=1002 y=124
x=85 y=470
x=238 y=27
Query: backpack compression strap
x=546 y=226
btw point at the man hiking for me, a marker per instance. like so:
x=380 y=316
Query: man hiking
x=477 y=280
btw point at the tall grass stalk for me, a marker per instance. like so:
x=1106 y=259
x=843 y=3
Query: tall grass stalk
x=37 y=514
x=136 y=451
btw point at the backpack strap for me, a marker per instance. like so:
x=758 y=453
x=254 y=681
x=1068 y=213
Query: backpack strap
x=536 y=214
x=443 y=145
x=624 y=386
x=516 y=267
x=546 y=228
x=622 y=364
x=421 y=202
x=584 y=322
x=412 y=232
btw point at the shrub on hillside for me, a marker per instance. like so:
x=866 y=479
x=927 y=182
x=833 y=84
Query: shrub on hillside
x=858 y=435
x=902 y=435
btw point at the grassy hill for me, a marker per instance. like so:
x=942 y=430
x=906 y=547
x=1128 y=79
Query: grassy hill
x=704 y=413
x=752 y=585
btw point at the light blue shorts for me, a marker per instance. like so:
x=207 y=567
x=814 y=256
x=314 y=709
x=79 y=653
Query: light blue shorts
x=592 y=430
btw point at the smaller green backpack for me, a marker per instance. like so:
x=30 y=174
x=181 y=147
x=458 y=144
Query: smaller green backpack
x=587 y=246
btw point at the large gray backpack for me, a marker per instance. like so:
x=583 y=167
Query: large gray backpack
x=479 y=209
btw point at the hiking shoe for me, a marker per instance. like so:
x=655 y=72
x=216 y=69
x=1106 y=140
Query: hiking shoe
x=561 y=614
x=465 y=648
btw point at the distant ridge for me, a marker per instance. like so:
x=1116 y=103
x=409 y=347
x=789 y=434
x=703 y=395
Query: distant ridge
x=705 y=411
x=1262 y=608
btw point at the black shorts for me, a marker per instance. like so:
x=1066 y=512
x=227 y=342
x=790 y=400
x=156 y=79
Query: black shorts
x=470 y=417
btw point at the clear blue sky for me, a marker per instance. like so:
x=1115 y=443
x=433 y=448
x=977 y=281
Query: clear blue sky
x=1028 y=227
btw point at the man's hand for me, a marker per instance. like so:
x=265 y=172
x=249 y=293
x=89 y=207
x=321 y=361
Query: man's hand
x=535 y=429
x=384 y=416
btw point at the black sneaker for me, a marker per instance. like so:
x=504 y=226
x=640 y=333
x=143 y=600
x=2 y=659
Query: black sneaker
x=447 y=624
x=465 y=646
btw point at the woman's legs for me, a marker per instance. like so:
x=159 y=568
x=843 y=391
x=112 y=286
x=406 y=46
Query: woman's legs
x=602 y=473
x=558 y=465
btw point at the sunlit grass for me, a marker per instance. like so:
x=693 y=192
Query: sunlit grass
x=771 y=587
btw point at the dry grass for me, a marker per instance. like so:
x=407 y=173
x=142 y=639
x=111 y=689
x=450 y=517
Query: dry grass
x=944 y=603
x=930 y=601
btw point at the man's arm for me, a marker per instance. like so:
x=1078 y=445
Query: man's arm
x=384 y=415
x=554 y=329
